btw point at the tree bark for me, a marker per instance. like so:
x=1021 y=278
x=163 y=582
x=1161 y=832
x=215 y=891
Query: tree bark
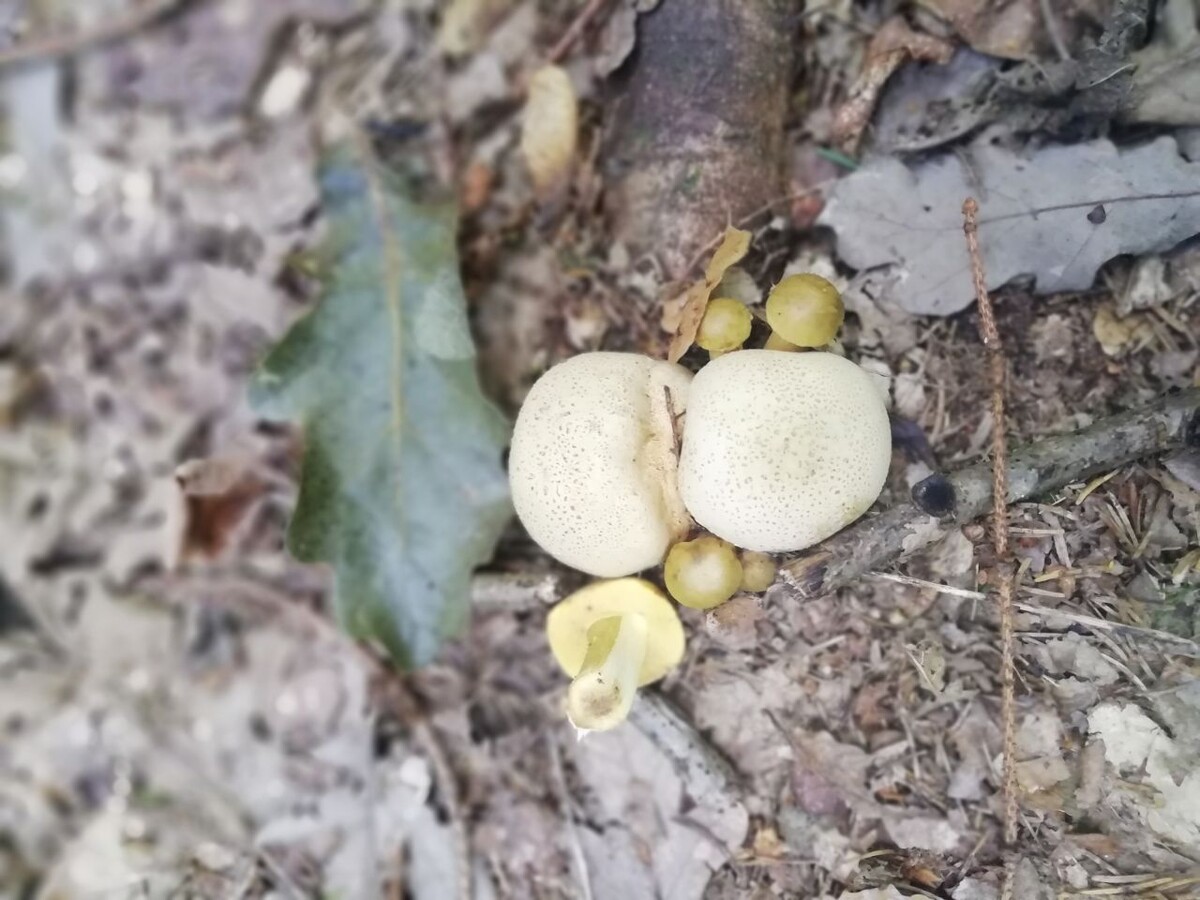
x=698 y=136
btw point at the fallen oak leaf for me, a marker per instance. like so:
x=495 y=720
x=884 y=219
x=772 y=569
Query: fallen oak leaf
x=401 y=489
x=694 y=301
x=1040 y=219
x=893 y=45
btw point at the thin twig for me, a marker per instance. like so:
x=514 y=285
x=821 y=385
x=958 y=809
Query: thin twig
x=574 y=30
x=1181 y=645
x=997 y=366
x=56 y=46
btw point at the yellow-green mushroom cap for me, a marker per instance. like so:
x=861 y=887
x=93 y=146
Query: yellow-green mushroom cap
x=568 y=623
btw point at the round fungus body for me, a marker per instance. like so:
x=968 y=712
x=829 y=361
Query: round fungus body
x=593 y=462
x=702 y=573
x=611 y=638
x=781 y=450
x=725 y=326
x=805 y=310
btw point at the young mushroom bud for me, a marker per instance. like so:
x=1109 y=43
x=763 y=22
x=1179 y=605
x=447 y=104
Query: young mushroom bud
x=781 y=450
x=805 y=310
x=593 y=462
x=613 y=637
x=758 y=571
x=702 y=573
x=725 y=326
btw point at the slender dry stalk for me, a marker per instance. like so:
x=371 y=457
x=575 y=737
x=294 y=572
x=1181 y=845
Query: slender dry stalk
x=1004 y=577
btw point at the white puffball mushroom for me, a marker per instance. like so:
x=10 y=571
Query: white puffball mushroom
x=593 y=462
x=781 y=450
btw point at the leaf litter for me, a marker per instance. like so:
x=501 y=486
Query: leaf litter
x=852 y=777
x=1039 y=218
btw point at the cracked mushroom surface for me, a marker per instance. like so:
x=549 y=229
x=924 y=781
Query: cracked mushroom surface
x=782 y=450
x=593 y=462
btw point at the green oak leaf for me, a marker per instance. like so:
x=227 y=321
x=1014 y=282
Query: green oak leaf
x=402 y=488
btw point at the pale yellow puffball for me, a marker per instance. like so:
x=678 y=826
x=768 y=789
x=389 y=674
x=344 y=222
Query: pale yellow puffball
x=781 y=450
x=593 y=466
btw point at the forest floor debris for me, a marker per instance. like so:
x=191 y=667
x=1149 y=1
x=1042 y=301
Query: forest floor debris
x=179 y=713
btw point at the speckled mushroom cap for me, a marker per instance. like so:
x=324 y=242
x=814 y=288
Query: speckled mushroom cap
x=781 y=450
x=592 y=465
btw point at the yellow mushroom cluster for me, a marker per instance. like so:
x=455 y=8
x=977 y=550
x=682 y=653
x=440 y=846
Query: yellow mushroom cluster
x=621 y=463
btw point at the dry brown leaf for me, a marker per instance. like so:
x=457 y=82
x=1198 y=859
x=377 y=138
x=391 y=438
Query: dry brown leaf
x=476 y=187
x=893 y=45
x=1008 y=30
x=733 y=247
x=1117 y=335
x=550 y=130
x=218 y=494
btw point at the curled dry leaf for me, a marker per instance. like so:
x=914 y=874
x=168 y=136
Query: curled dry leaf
x=1009 y=30
x=692 y=303
x=893 y=45
x=550 y=130
x=218 y=494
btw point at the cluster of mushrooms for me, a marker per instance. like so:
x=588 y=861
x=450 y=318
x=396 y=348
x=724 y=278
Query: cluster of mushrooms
x=621 y=462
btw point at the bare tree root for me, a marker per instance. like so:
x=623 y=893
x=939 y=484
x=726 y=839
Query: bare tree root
x=698 y=134
x=1035 y=469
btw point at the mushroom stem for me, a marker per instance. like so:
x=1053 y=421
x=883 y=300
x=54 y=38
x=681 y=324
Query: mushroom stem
x=602 y=693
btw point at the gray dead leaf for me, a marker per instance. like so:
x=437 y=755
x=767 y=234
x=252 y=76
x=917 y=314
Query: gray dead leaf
x=974 y=889
x=1166 y=78
x=1073 y=654
x=814 y=836
x=1029 y=884
x=1174 y=365
x=1038 y=216
x=36 y=178
x=633 y=782
x=1139 y=750
x=1185 y=465
x=842 y=769
x=619 y=35
x=740 y=285
x=885 y=893
x=953 y=557
x=1147 y=286
x=933 y=833
x=206 y=61
x=1040 y=764
x=930 y=662
x=923 y=106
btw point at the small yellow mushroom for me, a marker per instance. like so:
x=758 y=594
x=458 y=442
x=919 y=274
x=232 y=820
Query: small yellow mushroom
x=613 y=637
x=725 y=326
x=758 y=571
x=702 y=573
x=805 y=310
